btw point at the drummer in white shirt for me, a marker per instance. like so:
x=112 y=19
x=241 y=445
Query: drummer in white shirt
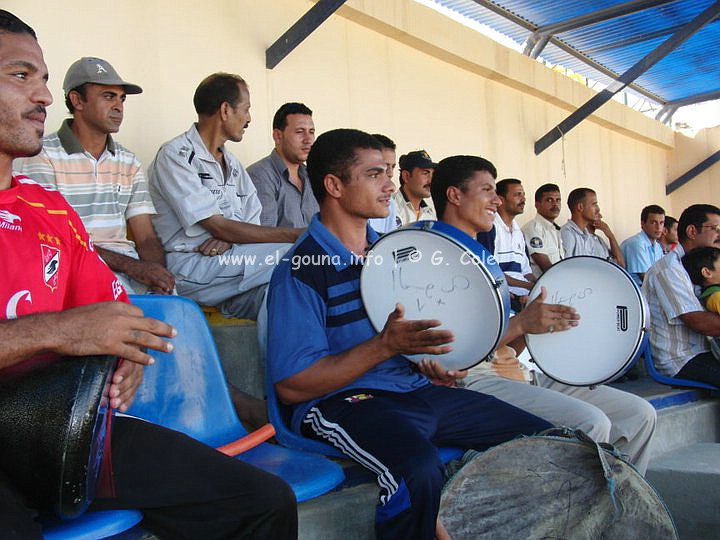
x=606 y=414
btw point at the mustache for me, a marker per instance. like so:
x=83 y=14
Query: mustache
x=35 y=111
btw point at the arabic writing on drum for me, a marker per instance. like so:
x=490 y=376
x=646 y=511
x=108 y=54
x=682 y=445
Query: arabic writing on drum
x=568 y=298
x=428 y=292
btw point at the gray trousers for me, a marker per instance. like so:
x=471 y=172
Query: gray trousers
x=606 y=414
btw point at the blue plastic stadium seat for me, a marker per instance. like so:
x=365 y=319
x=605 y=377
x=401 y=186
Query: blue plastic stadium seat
x=186 y=390
x=92 y=525
x=646 y=350
x=287 y=437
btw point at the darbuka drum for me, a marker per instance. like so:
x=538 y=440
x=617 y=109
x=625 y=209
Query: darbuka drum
x=438 y=272
x=611 y=328
x=52 y=431
x=551 y=487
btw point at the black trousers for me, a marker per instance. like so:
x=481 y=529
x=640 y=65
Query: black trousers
x=703 y=367
x=185 y=489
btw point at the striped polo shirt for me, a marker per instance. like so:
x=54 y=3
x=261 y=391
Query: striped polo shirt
x=670 y=293
x=106 y=192
x=315 y=310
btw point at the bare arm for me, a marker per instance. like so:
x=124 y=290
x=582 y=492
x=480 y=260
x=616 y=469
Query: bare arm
x=237 y=232
x=702 y=322
x=542 y=260
x=514 y=282
x=399 y=336
x=113 y=328
x=152 y=274
x=146 y=241
x=615 y=250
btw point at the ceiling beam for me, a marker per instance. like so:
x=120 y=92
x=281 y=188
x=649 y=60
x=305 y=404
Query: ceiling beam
x=647 y=62
x=297 y=33
x=692 y=173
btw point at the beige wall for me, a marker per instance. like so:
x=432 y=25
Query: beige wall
x=391 y=66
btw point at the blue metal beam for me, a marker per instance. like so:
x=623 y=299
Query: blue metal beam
x=692 y=173
x=297 y=33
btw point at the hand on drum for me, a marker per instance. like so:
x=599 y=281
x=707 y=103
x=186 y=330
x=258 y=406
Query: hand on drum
x=438 y=374
x=114 y=328
x=124 y=384
x=540 y=318
x=403 y=336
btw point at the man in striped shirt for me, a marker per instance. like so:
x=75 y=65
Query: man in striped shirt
x=102 y=180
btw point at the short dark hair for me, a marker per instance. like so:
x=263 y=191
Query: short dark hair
x=216 y=89
x=577 y=196
x=280 y=118
x=503 y=186
x=333 y=153
x=696 y=215
x=545 y=188
x=386 y=142
x=82 y=90
x=455 y=171
x=697 y=259
x=651 y=209
x=11 y=24
x=669 y=222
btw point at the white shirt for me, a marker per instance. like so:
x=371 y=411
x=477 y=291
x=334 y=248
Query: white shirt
x=543 y=236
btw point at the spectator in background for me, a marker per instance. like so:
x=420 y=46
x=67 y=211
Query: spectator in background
x=390 y=223
x=281 y=178
x=669 y=236
x=101 y=179
x=542 y=234
x=416 y=170
x=578 y=234
x=509 y=240
x=208 y=206
x=643 y=250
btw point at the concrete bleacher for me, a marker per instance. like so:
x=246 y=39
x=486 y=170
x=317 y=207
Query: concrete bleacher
x=685 y=453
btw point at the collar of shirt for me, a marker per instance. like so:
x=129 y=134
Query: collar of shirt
x=545 y=222
x=70 y=143
x=332 y=245
x=282 y=170
x=407 y=201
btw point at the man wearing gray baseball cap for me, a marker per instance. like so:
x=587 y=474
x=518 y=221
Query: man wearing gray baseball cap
x=101 y=179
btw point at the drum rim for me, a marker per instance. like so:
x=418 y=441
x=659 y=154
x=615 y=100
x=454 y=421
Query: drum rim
x=436 y=227
x=641 y=335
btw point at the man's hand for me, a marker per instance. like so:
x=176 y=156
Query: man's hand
x=432 y=369
x=402 y=336
x=539 y=317
x=600 y=225
x=213 y=246
x=113 y=328
x=154 y=275
x=125 y=382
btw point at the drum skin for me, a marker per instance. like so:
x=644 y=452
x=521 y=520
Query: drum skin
x=550 y=487
x=52 y=431
x=612 y=322
x=436 y=271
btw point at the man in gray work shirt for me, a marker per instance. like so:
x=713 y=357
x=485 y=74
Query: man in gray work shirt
x=281 y=179
x=208 y=211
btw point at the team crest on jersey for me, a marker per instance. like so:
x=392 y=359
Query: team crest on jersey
x=536 y=242
x=51 y=266
x=117 y=289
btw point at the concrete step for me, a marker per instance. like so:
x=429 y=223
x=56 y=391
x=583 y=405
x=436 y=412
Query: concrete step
x=687 y=478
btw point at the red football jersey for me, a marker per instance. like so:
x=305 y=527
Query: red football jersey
x=49 y=263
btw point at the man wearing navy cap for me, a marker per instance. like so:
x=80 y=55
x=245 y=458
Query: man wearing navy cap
x=416 y=171
x=101 y=179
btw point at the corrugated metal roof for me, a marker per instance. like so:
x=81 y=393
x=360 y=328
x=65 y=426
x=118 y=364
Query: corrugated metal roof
x=613 y=45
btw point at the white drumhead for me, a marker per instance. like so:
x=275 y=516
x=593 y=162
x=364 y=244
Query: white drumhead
x=610 y=330
x=434 y=277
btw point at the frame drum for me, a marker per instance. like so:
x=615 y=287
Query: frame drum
x=52 y=431
x=612 y=322
x=438 y=272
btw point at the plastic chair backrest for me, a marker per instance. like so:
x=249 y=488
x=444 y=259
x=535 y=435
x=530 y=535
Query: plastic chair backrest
x=664 y=379
x=186 y=389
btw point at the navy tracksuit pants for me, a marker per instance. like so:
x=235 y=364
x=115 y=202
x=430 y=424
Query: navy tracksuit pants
x=396 y=436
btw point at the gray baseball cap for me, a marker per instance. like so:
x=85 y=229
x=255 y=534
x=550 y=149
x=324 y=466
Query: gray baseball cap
x=96 y=71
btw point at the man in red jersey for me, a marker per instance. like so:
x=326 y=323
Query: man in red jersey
x=57 y=298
